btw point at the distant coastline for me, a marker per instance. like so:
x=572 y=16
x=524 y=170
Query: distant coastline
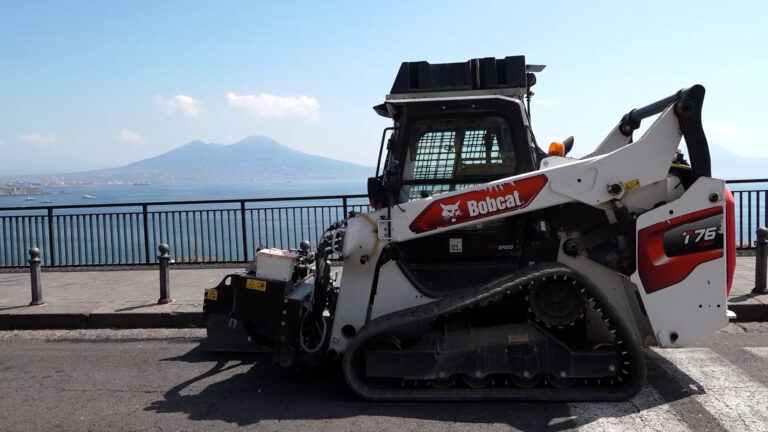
x=256 y=158
x=157 y=192
x=20 y=190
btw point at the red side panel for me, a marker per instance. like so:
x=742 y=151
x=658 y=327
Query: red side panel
x=730 y=241
x=478 y=204
x=659 y=270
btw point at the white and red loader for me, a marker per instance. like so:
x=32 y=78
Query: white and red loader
x=489 y=269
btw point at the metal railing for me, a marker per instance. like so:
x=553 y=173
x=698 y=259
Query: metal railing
x=751 y=210
x=219 y=231
x=197 y=231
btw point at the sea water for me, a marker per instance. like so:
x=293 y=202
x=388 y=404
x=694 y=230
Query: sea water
x=128 y=193
x=196 y=232
x=269 y=226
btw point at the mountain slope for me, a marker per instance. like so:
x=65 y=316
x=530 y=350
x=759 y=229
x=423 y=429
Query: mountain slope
x=731 y=166
x=255 y=157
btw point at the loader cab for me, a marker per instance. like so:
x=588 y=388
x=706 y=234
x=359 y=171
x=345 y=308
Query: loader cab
x=455 y=125
x=442 y=146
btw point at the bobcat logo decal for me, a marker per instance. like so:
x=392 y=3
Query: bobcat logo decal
x=451 y=211
x=480 y=202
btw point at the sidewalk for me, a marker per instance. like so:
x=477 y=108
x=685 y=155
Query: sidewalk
x=128 y=298
x=747 y=306
x=107 y=299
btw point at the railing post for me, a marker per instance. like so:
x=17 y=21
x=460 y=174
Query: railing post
x=245 y=232
x=35 y=277
x=146 y=233
x=344 y=205
x=761 y=261
x=51 y=250
x=165 y=280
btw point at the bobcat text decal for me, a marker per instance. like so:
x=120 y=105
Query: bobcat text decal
x=476 y=204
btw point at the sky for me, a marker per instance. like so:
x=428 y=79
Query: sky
x=90 y=84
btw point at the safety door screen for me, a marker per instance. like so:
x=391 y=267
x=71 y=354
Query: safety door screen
x=446 y=154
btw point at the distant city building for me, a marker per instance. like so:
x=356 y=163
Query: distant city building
x=20 y=190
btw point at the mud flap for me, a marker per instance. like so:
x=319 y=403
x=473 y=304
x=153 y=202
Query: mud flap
x=225 y=333
x=229 y=335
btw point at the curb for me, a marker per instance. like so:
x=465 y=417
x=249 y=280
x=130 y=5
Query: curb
x=123 y=320
x=749 y=312
x=71 y=321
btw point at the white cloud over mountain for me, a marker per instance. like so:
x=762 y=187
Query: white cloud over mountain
x=130 y=137
x=720 y=128
x=265 y=105
x=725 y=134
x=180 y=104
x=35 y=138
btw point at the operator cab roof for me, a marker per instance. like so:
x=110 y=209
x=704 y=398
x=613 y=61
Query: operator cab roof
x=509 y=76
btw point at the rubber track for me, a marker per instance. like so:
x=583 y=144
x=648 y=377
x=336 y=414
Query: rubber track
x=494 y=291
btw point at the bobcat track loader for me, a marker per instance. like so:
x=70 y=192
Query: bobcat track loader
x=490 y=269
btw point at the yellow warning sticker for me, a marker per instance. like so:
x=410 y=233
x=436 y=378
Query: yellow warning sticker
x=521 y=337
x=255 y=284
x=211 y=294
x=634 y=184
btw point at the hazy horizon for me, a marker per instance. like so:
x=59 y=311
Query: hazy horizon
x=735 y=167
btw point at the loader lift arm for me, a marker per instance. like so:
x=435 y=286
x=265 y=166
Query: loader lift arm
x=688 y=103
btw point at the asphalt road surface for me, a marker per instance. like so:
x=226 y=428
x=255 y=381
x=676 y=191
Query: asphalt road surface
x=161 y=380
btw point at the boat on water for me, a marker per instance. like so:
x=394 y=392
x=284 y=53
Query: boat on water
x=86 y=197
x=29 y=198
x=46 y=201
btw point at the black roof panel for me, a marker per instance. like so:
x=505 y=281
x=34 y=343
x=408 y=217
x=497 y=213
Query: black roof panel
x=475 y=74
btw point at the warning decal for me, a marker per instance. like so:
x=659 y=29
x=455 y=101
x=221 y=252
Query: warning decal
x=255 y=284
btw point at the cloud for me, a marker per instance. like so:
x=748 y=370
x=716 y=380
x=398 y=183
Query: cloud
x=34 y=138
x=231 y=139
x=130 y=137
x=180 y=104
x=741 y=139
x=721 y=133
x=720 y=129
x=265 y=105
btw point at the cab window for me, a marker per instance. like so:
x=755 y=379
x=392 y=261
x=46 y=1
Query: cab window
x=445 y=154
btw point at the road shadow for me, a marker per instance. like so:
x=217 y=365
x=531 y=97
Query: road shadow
x=740 y=298
x=132 y=308
x=5 y=308
x=267 y=392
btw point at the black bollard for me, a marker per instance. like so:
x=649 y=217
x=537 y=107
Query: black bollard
x=165 y=280
x=35 y=277
x=761 y=263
